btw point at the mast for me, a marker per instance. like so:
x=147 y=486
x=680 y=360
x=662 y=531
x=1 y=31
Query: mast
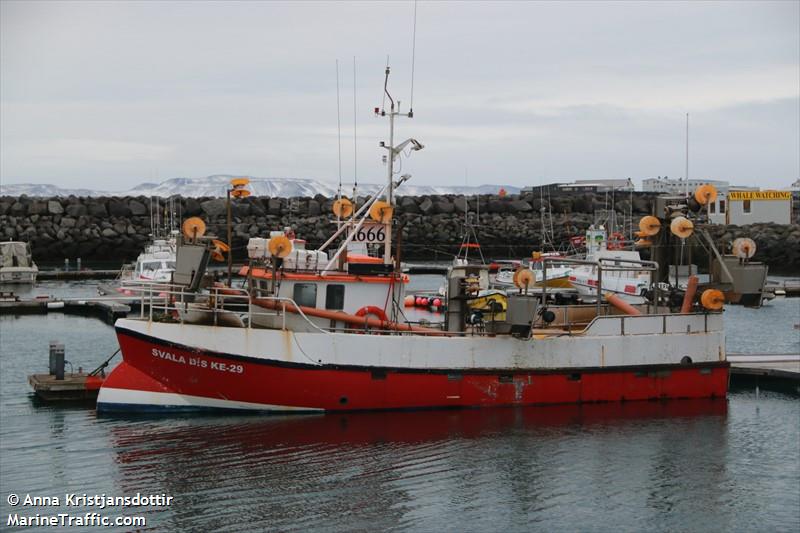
x=394 y=151
x=387 y=249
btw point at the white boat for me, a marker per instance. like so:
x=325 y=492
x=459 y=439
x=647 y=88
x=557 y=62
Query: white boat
x=631 y=285
x=556 y=276
x=154 y=265
x=16 y=263
x=323 y=331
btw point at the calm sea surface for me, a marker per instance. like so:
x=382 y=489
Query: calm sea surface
x=682 y=465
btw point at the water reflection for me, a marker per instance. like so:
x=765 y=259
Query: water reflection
x=376 y=470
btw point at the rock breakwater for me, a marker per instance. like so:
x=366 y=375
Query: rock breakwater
x=116 y=229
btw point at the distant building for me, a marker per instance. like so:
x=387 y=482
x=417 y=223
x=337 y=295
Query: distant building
x=742 y=206
x=795 y=186
x=668 y=185
x=599 y=185
x=536 y=189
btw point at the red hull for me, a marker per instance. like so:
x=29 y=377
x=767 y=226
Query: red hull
x=275 y=385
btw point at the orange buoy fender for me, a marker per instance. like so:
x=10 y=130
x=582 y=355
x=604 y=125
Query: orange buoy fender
x=622 y=305
x=691 y=290
x=372 y=310
x=346 y=317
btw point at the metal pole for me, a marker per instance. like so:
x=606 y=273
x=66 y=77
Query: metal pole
x=687 y=154
x=599 y=287
x=387 y=249
x=230 y=237
x=544 y=282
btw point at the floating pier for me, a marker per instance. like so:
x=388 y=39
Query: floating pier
x=786 y=366
x=76 y=274
x=779 y=372
x=107 y=309
x=62 y=387
x=75 y=387
x=425 y=269
x=787 y=287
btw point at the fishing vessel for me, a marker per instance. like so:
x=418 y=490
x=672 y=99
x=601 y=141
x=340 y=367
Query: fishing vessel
x=16 y=263
x=629 y=284
x=557 y=275
x=322 y=331
x=156 y=263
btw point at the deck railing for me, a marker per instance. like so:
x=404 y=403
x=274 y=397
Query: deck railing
x=224 y=306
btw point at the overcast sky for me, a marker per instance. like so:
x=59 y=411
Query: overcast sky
x=109 y=94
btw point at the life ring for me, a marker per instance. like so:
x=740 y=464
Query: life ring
x=578 y=241
x=616 y=241
x=372 y=310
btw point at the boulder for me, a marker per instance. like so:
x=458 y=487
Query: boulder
x=497 y=206
x=119 y=209
x=68 y=222
x=97 y=210
x=138 y=209
x=314 y=208
x=445 y=207
x=256 y=207
x=274 y=206
x=54 y=207
x=75 y=210
x=520 y=206
x=192 y=208
x=214 y=208
x=37 y=208
x=17 y=209
x=408 y=205
x=108 y=232
x=426 y=206
x=461 y=204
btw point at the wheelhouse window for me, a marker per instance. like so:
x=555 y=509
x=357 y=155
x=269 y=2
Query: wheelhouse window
x=334 y=297
x=305 y=294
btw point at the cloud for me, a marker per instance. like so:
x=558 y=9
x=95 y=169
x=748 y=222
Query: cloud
x=92 y=150
x=523 y=92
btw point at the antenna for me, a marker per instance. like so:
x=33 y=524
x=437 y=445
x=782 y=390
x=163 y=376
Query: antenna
x=383 y=101
x=413 y=57
x=687 y=154
x=355 y=134
x=339 y=129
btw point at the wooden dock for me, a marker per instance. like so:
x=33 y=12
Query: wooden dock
x=74 y=387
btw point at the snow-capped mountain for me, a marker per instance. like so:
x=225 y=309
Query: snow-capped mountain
x=44 y=190
x=275 y=187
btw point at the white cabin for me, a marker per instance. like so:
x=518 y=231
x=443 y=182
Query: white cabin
x=16 y=263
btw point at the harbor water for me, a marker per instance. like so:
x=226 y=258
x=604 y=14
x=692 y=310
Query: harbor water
x=716 y=465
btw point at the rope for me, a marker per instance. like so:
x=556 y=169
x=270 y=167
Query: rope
x=104 y=364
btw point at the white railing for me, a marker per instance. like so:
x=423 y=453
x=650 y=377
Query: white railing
x=218 y=306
